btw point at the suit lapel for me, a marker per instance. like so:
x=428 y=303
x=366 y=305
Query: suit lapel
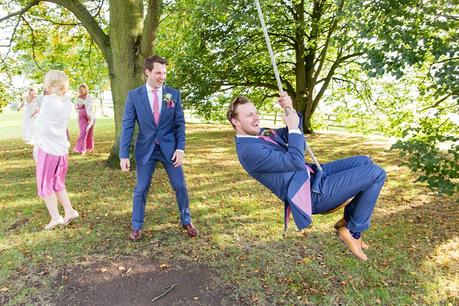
x=279 y=141
x=165 y=114
x=146 y=103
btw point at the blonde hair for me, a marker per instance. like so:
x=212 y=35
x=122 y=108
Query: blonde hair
x=56 y=82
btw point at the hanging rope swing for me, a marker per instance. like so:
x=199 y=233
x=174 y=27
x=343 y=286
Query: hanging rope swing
x=279 y=85
x=276 y=73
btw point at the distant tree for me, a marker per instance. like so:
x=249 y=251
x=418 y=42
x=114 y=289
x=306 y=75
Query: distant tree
x=223 y=50
x=423 y=35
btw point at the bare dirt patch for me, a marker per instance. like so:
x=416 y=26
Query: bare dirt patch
x=133 y=281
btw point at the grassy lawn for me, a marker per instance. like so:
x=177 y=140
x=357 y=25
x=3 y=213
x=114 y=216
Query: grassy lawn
x=414 y=238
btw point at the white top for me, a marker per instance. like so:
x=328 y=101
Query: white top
x=159 y=92
x=51 y=125
x=28 y=121
x=39 y=99
x=89 y=106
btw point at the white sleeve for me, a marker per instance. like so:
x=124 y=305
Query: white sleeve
x=89 y=108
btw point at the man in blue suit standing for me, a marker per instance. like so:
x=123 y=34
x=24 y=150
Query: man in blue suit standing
x=275 y=158
x=157 y=109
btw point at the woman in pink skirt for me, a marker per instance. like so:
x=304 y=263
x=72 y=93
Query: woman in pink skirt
x=51 y=149
x=86 y=120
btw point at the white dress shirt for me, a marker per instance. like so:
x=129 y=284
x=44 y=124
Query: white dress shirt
x=159 y=92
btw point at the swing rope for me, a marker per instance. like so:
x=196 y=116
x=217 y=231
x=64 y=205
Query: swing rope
x=276 y=72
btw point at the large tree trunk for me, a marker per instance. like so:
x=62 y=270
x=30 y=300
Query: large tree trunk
x=304 y=67
x=130 y=40
x=126 y=26
x=307 y=115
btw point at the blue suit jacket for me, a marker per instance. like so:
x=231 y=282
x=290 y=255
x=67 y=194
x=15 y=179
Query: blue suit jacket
x=281 y=168
x=170 y=131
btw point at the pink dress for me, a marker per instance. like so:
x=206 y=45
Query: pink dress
x=86 y=117
x=51 y=144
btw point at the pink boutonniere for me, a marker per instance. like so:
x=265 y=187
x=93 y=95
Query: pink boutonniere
x=169 y=102
x=268 y=132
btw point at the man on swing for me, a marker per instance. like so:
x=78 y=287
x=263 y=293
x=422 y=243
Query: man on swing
x=275 y=158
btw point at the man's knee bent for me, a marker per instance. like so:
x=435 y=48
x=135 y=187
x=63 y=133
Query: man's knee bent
x=365 y=160
x=381 y=173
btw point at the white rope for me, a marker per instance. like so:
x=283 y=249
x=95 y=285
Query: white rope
x=268 y=45
x=276 y=71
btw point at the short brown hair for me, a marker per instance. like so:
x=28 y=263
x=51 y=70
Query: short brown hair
x=232 y=108
x=150 y=61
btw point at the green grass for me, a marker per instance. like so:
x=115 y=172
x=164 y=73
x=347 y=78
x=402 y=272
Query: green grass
x=414 y=236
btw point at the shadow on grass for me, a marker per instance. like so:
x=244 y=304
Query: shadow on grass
x=240 y=225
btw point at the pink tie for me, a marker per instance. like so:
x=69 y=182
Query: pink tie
x=155 y=105
x=267 y=138
x=302 y=198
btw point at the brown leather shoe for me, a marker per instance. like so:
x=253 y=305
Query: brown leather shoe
x=135 y=235
x=353 y=244
x=341 y=223
x=190 y=229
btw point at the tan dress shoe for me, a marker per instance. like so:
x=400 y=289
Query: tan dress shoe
x=341 y=223
x=354 y=245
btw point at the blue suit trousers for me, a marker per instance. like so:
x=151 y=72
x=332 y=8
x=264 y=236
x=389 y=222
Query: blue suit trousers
x=144 y=176
x=355 y=177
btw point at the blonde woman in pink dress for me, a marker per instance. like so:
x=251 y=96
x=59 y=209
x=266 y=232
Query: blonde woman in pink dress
x=86 y=120
x=51 y=149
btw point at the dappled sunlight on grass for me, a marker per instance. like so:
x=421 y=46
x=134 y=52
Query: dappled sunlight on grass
x=443 y=263
x=413 y=238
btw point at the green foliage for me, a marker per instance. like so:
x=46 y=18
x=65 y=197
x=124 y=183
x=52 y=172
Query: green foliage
x=413 y=33
x=221 y=48
x=440 y=169
x=50 y=37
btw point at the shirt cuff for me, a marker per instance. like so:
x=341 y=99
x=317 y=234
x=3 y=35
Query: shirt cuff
x=294 y=131
x=180 y=151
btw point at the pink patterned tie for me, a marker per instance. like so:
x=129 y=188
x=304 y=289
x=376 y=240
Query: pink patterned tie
x=155 y=105
x=302 y=198
x=267 y=138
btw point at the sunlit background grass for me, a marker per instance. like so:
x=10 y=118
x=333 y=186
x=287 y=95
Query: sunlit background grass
x=414 y=238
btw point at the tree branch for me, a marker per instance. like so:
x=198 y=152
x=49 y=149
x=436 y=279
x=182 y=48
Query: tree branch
x=60 y=23
x=21 y=12
x=251 y=84
x=323 y=53
x=11 y=40
x=150 y=24
x=290 y=40
x=436 y=103
x=33 y=42
x=89 y=23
